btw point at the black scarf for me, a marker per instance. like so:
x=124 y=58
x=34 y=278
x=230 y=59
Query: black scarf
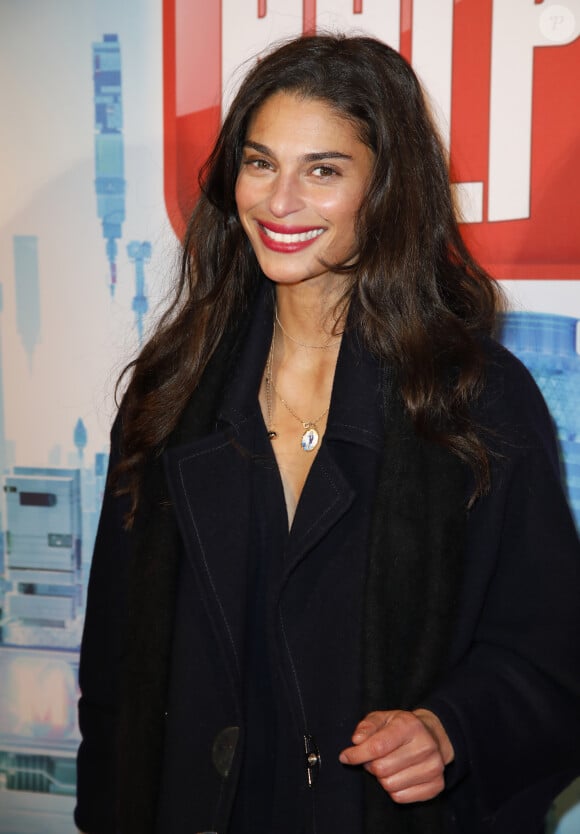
x=413 y=585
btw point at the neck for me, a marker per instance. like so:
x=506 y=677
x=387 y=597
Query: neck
x=309 y=318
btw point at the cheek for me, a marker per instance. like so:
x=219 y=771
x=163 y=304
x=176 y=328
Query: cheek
x=342 y=209
x=243 y=205
x=249 y=192
x=346 y=219
x=239 y=195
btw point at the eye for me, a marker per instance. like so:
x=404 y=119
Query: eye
x=257 y=163
x=324 y=171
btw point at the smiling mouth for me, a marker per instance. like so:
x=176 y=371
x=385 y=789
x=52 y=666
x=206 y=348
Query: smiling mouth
x=303 y=236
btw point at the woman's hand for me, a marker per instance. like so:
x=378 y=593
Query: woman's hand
x=406 y=752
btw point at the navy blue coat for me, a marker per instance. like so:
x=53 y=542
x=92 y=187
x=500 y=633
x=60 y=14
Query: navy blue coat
x=475 y=616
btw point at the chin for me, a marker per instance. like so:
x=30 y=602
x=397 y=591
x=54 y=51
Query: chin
x=281 y=275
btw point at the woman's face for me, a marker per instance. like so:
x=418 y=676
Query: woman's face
x=303 y=176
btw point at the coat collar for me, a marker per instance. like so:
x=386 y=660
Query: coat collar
x=240 y=395
x=210 y=475
x=217 y=551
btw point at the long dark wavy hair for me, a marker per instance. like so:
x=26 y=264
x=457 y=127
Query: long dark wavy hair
x=418 y=298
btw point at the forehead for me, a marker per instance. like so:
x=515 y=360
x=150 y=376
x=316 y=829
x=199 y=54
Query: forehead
x=298 y=119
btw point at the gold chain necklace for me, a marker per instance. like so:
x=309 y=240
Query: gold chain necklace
x=328 y=344
x=311 y=437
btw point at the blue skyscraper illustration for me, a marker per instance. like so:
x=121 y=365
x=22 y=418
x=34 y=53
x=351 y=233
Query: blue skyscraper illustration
x=139 y=253
x=109 y=153
x=27 y=291
x=548 y=345
x=80 y=438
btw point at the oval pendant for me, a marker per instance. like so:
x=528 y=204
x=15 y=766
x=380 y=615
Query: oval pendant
x=310 y=439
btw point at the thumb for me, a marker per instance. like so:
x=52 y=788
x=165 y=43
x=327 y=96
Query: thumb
x=369 y=725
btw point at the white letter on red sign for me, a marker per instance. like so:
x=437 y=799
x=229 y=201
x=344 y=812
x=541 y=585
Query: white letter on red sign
x=245 y=34
x=433 y=54
x=379 y=18
x=248 y=27
x=518 y=27
x=433 y=61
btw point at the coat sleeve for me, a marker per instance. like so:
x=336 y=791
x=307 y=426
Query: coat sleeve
x=510 y=700
x=101 y=660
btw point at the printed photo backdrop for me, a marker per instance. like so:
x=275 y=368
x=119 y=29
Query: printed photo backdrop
x=107 y=110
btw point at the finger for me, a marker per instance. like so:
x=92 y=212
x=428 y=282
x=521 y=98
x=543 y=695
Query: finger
x=395 y=777
x=406 y=758
x=377 y=746
x=369 y=725
x=437 y=730
x=383 y=732
x=374 y=748
x=355 y=755
x=418 y=793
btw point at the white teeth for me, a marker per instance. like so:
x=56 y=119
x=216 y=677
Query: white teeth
x=278 y=237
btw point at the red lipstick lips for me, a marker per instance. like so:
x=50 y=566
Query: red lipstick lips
x=288 y=239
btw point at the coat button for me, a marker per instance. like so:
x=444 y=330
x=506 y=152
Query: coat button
x=313 y=760
x=224 y=748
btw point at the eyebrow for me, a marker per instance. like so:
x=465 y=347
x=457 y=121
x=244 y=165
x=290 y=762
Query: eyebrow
x=319 y=156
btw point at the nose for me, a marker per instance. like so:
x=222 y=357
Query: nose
x=286 y=194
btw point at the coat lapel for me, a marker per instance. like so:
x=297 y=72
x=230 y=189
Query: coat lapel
x=326 y=497
x=210 y=480
x=205 y=478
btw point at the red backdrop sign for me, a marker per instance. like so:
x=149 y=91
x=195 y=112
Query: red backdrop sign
x=504 y=74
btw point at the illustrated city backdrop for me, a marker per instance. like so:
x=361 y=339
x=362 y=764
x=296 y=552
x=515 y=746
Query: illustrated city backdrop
x=49 y=512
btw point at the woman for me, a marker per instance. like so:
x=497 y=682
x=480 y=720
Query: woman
x=335 y=582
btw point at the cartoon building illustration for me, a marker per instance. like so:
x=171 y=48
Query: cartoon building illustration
x=27 y=291
x=109 y=152
x=139 y=253
x=80 y=439
x=38 y=734
x=44 y=583
x=41 y=622
x=43 y=557
x=548 y=345
x=2 y=423
x=3 y=462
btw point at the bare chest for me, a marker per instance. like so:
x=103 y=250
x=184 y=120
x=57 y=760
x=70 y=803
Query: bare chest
x=295 y=447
